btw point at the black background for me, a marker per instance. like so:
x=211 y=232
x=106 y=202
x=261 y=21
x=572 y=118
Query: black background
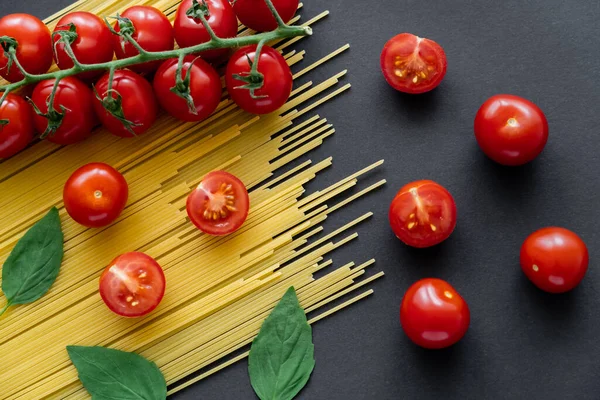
x=522 y=343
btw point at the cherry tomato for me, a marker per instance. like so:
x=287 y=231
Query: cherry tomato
x=152 y=31
x=95 y=195
x=93 y=44
x=138 y=102
x=433 y=314
x=554 y=259
x=16 y=127
x=34 y=48
x=511 y=130
x=132 y=285
x=256 y=15
x=411 y=64
x=190 y=32
x=219 y=205
x=423 y=214
x=77 y=99
x=277 y=84
x=204 y=88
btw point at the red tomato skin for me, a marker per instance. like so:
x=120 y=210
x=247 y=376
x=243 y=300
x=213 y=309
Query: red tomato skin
x=18 y=133
x=256 y=15
x=554 y=259
x=92 y=46
x=77 y=98
x=34 y=48
x=80 y=195
x=153 y=32
x=139 y=104
x=417 y=52
x=433 y=314
x=412 y=224
x=205 y=88
x=277 y=85
x=190 y=32
x=507 y=143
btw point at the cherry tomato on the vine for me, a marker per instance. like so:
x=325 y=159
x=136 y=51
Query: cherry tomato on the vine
x=554 y=259
x=204 y=89
x=95 y=195
x=423 y=214
x=277 y=80
x=34 y=48
x=433 y=314
x=152 y=31
x=256 y=15
x=16 y=125
x=411 y=64
x=132 y=285
x=219 y=205
x=511 y=130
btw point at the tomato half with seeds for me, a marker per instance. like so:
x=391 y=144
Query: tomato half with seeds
x=95 y=195
x=412 y=64
x=255 y=14
x=423 y=214
x=132 y=285
x=219 y=205
x=16 y=126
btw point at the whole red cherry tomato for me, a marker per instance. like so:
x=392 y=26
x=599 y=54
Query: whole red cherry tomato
x=190 y=31
x=16 y=126
x=433 y=314
x=277 y=80
x=256 y=15
x=74 y=101
x=554 y=259
x=423 y=214
x=34 y=48
x=411 y=64
x=150 y=28
x=511 y=130
x=136 y=98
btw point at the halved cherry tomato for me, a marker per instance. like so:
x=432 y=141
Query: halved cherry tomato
x=34 y=48
x=16 y=126
x=423 y=214
x=132 y=285
x=411 y=64
x=95 y=195
x=256 y=15
x=433 y=314
x=511 y=130
x=219 y=205
x=554 y=259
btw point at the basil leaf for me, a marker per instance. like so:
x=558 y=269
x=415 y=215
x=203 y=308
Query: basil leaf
x=282 y=355
x=34 y=263
x=109 y=374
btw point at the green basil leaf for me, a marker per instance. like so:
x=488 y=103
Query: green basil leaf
x=282 y=355
x=34 y=263
x=109 y=374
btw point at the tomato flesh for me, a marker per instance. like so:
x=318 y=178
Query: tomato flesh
x=16 y=126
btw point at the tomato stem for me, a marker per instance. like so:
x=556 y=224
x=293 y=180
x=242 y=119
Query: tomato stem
x=280 y=21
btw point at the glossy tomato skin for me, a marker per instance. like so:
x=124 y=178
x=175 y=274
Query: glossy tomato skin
x=79 y=118
x=423 y=214
x=153 y=32
x=17 y=133
x=95 y=195
x=433 y=314
x=93 y=44
x=413 y=65
x=256 y=15
x=34 y=49
x=554 y=259
x=219 y=205
x=277 y=85
x=205 y=89
x=132 y=285
x=190 y=32
x=139 y=103
x=511 y=130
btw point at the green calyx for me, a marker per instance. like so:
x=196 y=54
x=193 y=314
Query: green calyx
x=198 y=10
x=9 y=45
x=182 y=85
x=54 y=117
x=114 y=106
x=3 y=123
x=126 y=29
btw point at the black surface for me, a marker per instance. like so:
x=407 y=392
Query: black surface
x=522 y=344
